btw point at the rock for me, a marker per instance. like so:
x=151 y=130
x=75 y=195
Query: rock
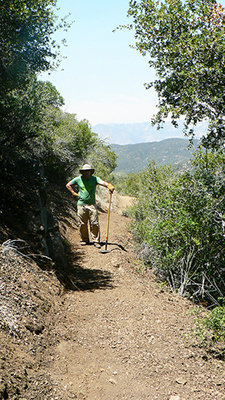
x=112 y=381
x=34 y=328
x=3 y=391
x=181 y=381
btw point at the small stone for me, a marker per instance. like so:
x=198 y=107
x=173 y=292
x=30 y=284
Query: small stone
x=181 y=381
x=34 y=328
x=112 y=381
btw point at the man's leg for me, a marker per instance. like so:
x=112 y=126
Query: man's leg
x=82 y=213
x=94 y=224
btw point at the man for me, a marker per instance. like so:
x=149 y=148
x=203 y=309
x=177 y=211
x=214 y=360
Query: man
x=86 y=203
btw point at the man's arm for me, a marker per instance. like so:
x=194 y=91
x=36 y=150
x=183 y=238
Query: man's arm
x=107 y=185
x=70 y=188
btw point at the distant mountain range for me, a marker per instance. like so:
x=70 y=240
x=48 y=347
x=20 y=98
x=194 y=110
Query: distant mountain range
x=136 y=157
x=142 y=132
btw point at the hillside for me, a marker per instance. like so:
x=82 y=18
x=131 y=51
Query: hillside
x=136 y=157
x=142 y=132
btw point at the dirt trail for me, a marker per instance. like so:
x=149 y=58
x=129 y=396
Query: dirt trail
x=122 y=336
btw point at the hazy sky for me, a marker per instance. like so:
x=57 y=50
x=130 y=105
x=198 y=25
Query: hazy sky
x=102 y=78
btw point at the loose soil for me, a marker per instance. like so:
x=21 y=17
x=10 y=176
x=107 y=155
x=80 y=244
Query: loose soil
x=116 y=334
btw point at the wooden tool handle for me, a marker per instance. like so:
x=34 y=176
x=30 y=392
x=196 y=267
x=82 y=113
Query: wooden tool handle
x=107 y=225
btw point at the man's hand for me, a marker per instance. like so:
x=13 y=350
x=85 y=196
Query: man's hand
x=75 y=195
x=110 y=187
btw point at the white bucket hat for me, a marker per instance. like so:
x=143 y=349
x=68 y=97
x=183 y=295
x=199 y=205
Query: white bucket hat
x=86 y=167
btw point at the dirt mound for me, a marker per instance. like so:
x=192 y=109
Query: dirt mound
x=116 y=334
x=29 y=300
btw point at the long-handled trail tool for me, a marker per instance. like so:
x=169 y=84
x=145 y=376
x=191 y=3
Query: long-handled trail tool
x=107 y=227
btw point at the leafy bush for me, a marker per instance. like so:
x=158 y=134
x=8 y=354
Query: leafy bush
x=127 y=184
x=181 y=219
x=212 y=327
x=211 y=331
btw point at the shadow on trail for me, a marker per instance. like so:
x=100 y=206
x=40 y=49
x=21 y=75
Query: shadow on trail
x=113 y=244
x=77 y=278
x=84 y=279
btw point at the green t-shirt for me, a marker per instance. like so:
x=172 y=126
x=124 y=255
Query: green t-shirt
x=86 y=189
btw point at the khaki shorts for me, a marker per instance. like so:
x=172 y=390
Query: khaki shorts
x=88 y=215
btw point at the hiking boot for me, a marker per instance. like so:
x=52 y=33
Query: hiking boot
x=96 y=244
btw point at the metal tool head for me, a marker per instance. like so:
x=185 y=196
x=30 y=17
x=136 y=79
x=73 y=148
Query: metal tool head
x=104 y=251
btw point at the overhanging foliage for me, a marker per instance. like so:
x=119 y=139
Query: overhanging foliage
x=186 y=44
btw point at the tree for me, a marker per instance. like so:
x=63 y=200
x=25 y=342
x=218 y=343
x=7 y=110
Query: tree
x=22 y=116
x=103 y=159
x=64 y=143
x=26 y=47
x=186 y=44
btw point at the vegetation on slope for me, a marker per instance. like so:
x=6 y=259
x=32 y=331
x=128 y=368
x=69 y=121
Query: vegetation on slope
x=136 y=157
x=183 y=223
x=179 y=224
x=33 y=129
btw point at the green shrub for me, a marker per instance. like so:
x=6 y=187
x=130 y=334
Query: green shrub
x=211 y=331
x=181 y=220
x=127 y=184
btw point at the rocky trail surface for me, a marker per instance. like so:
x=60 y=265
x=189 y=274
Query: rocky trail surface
x=117 y=335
